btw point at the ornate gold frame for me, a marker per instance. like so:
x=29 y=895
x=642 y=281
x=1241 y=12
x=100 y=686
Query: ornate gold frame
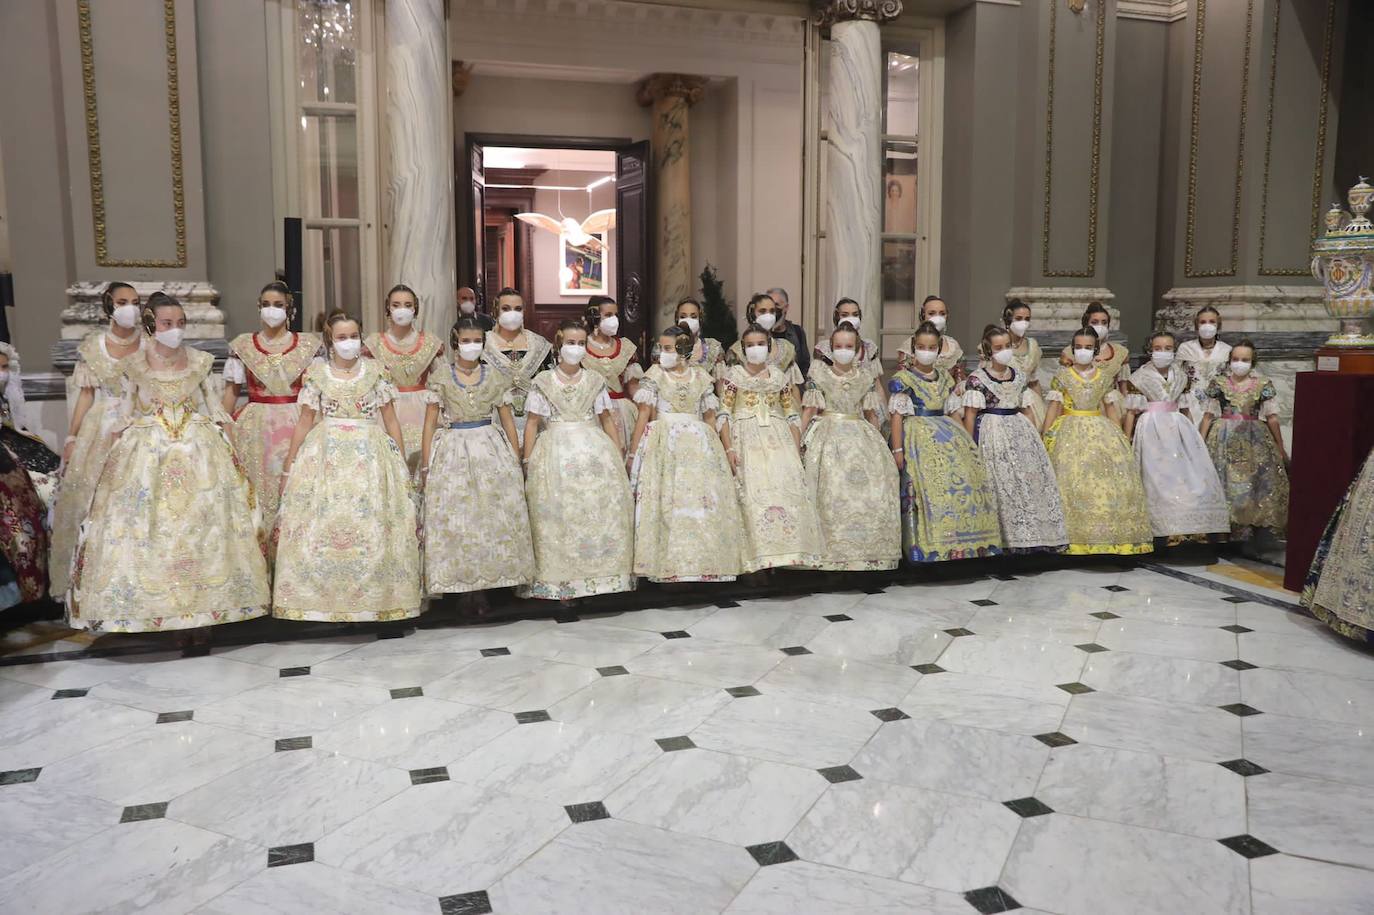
x=1319 y=166
x=1094 y=169
x=1189 y=269
x=102 y=252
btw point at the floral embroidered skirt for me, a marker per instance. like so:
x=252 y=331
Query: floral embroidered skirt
x=74 y=492
x=1252 y=474
x=1103 y=496
x=261 y=436
x=1029 y=511
x=1340 y=586
x=23 y=540
x=1181 y=485
x=850 y=471
x=949 y=509
x=781 y=526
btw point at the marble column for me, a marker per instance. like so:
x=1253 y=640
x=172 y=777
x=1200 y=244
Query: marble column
x=418 y=129
x=671 y=95
x=854 y=156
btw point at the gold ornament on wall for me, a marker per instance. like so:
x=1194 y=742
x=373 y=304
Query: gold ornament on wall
x=1076 y=6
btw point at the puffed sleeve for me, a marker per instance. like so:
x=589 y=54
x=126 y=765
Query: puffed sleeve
x=633 y=372
x=648 y=391
x=383 y=392
x=234 y=372
x=1135 y=400
x=974 y=397
x=812 y=396
x=210 y=393
x=1027 y=399
x=310 y=395
x=603 y=403
x=899 y=399
x=1112 y=396
x=1056 y=392
x=538 y=404
x=118 y=419
x=728 y=393
x=1210 y=399
x=1269 y=401
x=794 y=375
x=873 y=401
x=83 y=377
x=709 y=402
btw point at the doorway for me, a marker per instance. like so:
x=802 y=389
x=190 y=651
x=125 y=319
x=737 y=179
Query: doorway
x=561 y=220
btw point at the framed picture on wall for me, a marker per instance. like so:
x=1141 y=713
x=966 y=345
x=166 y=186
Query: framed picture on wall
x=583 y=267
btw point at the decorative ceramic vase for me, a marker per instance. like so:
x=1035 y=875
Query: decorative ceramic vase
x=1343 y=259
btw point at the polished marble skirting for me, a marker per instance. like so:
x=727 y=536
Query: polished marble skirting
x=1055 y=737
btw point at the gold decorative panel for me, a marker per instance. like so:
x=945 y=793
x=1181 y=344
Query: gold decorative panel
x=92 y=111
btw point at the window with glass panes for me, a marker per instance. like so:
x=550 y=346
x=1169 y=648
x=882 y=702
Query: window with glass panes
x=901 y=238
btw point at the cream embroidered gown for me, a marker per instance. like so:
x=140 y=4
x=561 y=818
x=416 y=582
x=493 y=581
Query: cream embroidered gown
x=347 y=549
x=172 y=538
x=1182 y=488
x=477 y=528
x=1340 y=585
x=687 y=517
x=519 y=367
x=781 y=525
x=97 y=370
x=850 y=471
x=408 y=366
x=262 y=429
x=781 y=354
x=618 y=368
x=1202 y=365
x=1028 y=506
x=581 y=508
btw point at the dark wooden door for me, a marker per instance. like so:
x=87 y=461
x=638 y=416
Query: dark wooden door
x=476 y=223
x=634 y=286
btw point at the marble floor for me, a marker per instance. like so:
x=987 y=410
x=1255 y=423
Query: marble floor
x=1098 y=739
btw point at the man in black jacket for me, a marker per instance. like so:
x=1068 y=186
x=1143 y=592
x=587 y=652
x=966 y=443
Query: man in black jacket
x=790 y=332
x=467 y=308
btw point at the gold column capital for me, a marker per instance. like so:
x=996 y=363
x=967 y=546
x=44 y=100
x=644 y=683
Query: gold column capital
x=670 y=85
x=829 y=12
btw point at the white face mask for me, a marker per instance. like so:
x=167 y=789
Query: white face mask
x=766 y=320
x=843 y=356
x=470 y=351
x=511 y=320
x=853 y=321
x=272 y=315
x=572 y=353
x=126 y=316
x=402 y=316
x=170 y=338
x=926 y=356
x=610 y=325
x=1020 y=327
x=1004 y=356
x=757 y=355
x=1101 y=330
x=1239 y=367
x=467 y=306
x=938 y=321
x=667 y=359
x=1206 y=331
x=349 y=348
x=691 y=324
x=1162 y=358
x=1083 y=356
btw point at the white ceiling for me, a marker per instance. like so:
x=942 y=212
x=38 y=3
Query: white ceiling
x=514 y=70
x=572 y=160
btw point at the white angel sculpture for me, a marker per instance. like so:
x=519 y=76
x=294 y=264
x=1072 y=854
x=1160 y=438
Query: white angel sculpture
x=578 y=235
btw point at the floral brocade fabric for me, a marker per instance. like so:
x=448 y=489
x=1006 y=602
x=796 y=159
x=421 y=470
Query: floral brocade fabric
x=407 y=368
x=1245 y=454
x=347 y=547
x=618 y=368
x=1340 y=586
x=949 y=508
x=1103 y=496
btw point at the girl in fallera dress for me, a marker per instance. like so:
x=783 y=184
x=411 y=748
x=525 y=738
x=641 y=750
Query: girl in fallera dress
x=30 y=451
x=1203 y=358
x=706 y=353
x=951 y=355
x=847 y=311
x=271 y=364
x=849 y=469
x=687 y=516
x=1340 y=585
x=613 y=358
x=760 y=426
x=998 y=412
x=1103 y=497
x=762 y=311
x=474 y=490
x=24 y=553
x=347 y=549
x=1016 y=318
x=949 y=506
x=99 y=381
x=1112 y=357
x=408 y=355
x=1241 y=429
x=581 y=507
x=172 y=538
x=1181 y=485
x=516 y=352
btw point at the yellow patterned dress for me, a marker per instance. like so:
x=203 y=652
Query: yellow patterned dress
x=781 y=525
x=1104 y=499
x=477 y=528
x=1245 y=454
x=781 y=354
x=618 y=368
x=519 y=366
x=1340 y=586
x=850 y=471
x=949 y=508
x=103 y=374
x=347 y=549
x=581 y=508
x=263 y=427
x=172 y=538
x=687 y=518
x=408 y=366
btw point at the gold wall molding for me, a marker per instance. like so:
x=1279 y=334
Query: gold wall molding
x=1095 y=157
x=102 y=251
x=1190 y=268
x=1319 y=165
